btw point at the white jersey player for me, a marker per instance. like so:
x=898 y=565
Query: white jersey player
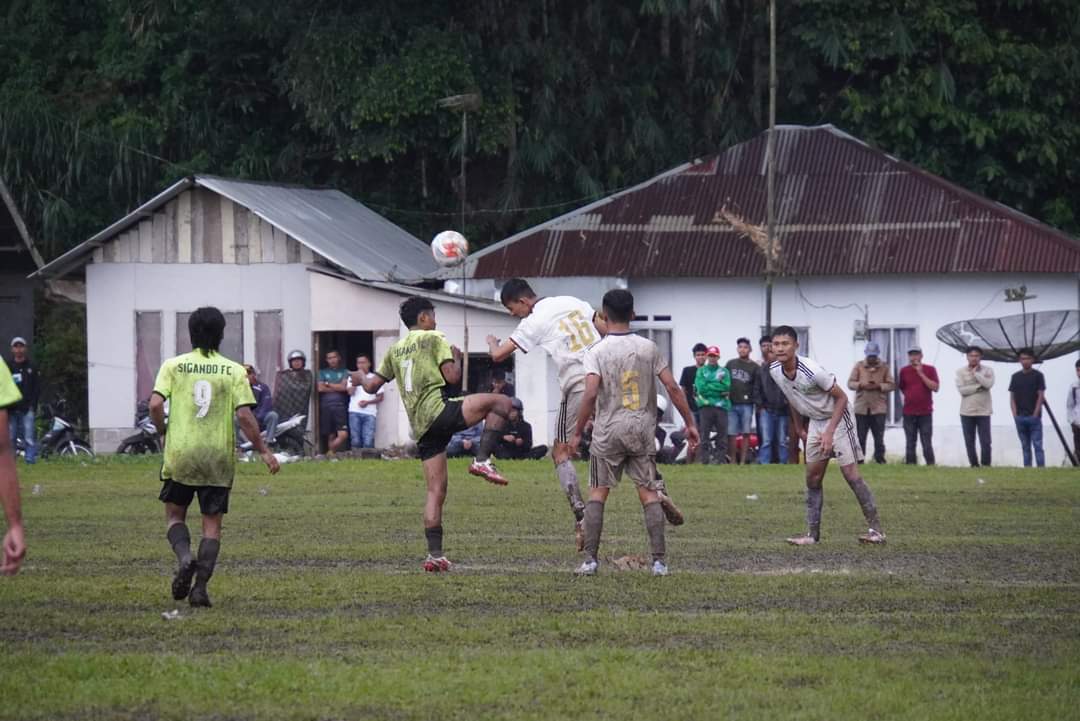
x=564 y=327
x=813 y=392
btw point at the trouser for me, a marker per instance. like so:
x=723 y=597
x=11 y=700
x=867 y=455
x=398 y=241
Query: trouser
x=361 y=430
x=1076 y=441
x=713 y=420
x=970 y=425
x=773 y=432
x=874 y=422
x=21 y=424
x=919 y=427
x=1029 y=428
x=269 y=424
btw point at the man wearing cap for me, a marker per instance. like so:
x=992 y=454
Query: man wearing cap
x=516 y=438
x=712 y=388
x=872 y=382
x=918 y=382
x=21 y=414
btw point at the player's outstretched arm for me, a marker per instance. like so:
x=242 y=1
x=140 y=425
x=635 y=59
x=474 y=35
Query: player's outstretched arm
x=250 y=427
x=585 y=412
x=500 y=350
x=675 y=393
x=14 y=541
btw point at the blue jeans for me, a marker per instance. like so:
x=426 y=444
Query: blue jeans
x=21 y=423
x=361 y=430
x=1029 y=428
x=773 y=429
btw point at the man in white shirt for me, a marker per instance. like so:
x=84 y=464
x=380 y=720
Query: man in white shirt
x=363 y=408
x=812 y=392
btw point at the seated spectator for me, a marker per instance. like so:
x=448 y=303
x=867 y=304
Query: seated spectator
x=499 y=384
x=465 y=443
x=516 y=441
x=264 y=406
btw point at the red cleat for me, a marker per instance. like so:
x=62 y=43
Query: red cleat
x=487 y=471
x=436 y=565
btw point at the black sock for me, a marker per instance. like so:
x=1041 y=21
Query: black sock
x=488 y=442
x=434 y=540
x=208 y=553
x=180 y=540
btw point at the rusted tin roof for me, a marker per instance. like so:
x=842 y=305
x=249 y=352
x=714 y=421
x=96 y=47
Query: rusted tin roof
x=843 y=208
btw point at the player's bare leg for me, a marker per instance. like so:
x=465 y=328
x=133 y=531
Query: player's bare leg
x=435 y=474
x=858 y=486
x=654 y=526
x=179 y=536
x=562 y=454
x=593 y=526
x=494 y=410
x=208 y=553
x=815 y=495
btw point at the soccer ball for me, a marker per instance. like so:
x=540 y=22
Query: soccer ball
x=449 y=248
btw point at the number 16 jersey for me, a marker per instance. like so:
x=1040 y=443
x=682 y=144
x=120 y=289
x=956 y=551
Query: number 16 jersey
x=204 y=392
x=563 y=326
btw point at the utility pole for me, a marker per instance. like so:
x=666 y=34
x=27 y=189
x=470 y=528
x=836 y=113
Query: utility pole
x=770 y=189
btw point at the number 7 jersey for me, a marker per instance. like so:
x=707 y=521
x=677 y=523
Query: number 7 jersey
x=563 y=326
x=204 y=392
x=415 y=362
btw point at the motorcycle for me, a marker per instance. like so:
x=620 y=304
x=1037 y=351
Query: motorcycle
x=147 y=439
x=61 y=439
x=288 y=438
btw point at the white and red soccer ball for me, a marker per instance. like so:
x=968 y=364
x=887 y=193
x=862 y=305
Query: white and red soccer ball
x=449 y=248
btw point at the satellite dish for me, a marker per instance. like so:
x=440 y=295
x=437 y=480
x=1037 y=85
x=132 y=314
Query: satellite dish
x=1050 y=333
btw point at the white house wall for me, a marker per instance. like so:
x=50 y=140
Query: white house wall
x=115 y=291
x=719 y=311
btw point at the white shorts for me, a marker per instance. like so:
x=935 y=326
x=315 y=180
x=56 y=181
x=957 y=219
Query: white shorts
x=566 y=422
x=845 y=450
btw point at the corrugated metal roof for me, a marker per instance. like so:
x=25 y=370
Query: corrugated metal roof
x=329 y=222
x=843 y=208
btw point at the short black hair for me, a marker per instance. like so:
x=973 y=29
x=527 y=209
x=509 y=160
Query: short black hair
x=973 y=349
x=765 y=339
x=334 y=351
x=206 y=327
x=516 y=289
x=1026 y=351
x=412 y=307
x=498 y=374
x=742 y=340
x=700 y=348
x=786 y=330
x=1078 y=363
x=619 y=305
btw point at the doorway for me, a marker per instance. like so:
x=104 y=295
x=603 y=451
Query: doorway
x=350 y=344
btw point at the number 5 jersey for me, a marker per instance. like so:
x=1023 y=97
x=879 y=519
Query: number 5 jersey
x=563 y=326
x=204 y=392
x=626 y=404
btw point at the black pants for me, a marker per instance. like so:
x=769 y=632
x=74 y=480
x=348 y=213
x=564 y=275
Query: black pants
x=971 y=424
x=921 y=427
x=713 y=420
x=874 y=422
x=1076 y=442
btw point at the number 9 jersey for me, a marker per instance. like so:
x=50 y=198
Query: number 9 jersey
x=563 y=326
x=204 y=392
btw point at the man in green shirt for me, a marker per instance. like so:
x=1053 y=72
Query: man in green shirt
x=204 y=390
x=423 y=363
x=712 y=385
x=334 y=403
x=14 y=543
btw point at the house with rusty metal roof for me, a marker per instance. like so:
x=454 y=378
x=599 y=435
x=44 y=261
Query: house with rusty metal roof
x=291 y=268
x=870 y=248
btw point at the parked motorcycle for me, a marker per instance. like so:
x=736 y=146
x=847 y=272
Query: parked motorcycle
x=288 y=438
x=146 y=439
x=61 y=439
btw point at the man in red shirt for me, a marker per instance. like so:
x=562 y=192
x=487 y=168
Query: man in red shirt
x=918 y=382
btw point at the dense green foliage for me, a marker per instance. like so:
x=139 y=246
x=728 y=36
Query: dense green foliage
x=322 y=612
x=103 y=102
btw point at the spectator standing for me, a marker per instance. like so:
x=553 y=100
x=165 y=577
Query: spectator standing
x=516 y=440
x=499 y=384
x=1072 y=405
x=712 y=385
x=918 y=382
x=974 y=382
x=334 y=403
x=744 y=376
x=363 y=408
x=292 y=396
x=264 y=406
x=773 y=419
x=872 y=382
x=1027 y=390
x=21 y=414
x=689 y=374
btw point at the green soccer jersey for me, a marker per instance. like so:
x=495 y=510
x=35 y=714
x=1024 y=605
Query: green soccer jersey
x=9 y=392
x=415 y=362
x=204 y=392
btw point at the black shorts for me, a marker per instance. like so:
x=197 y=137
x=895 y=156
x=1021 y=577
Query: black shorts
x=333 y=418
x=449 y=422
x=212 y=499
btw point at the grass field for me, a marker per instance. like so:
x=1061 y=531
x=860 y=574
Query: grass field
x=972 y=610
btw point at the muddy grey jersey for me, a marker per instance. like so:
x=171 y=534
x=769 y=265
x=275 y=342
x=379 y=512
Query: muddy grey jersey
x=625 y=422
x=808 y=391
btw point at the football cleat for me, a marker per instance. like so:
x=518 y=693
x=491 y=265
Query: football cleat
x=588 y=568
x=487 y=471
x=436 y=565
x=579 y=535
x=872 y=536
x=199 y=596
x=671 y=511
x=659 y=568
x=804 y=540
x=181 y=583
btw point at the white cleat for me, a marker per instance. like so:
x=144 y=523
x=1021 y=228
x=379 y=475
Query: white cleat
x=872 y=536
x=805 y=540
x=659 y=568
x=587 y=568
